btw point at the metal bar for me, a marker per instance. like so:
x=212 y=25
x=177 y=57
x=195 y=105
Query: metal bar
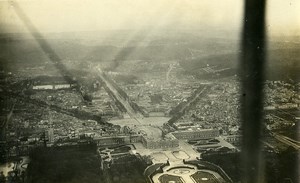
x=252 y=77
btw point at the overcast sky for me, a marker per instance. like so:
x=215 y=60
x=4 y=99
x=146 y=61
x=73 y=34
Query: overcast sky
x=283 y=16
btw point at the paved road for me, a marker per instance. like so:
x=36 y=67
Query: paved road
x=286 y=140
x=9 y=115
x=125 y=103
x=191 y=101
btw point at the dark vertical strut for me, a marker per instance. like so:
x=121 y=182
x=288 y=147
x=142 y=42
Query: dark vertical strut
x=252 y=76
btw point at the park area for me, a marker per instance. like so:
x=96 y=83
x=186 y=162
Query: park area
x=204 y=177
x=64 y=165
x=170 y=179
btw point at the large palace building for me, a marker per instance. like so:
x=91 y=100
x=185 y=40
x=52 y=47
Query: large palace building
x=196 y=134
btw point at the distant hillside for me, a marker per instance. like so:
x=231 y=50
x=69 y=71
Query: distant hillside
x=193 y=52
x=283 y=64
x=27 y=51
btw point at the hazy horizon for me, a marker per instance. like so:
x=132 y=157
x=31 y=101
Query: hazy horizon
x=155 y=15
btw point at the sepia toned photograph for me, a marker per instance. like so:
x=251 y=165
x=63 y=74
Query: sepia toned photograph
x=149 y=91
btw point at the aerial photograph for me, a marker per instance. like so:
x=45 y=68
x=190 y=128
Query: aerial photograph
x=149 y=91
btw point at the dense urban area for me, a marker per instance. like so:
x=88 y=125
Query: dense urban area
x=137 y=115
